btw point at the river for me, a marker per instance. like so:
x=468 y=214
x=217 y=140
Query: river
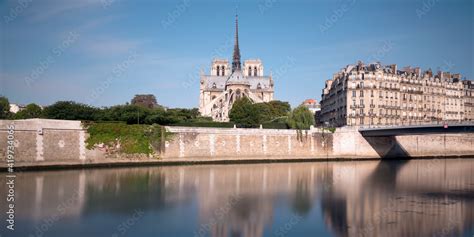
x=363 y=198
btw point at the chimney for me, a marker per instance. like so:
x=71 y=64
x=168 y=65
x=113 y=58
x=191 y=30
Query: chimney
x=417 y=71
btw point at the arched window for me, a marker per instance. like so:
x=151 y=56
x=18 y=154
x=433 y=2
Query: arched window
x=222 y=70
x=218 y=70
x=259 y=86
x=250 y=71
x=255 y=71
x=238 y=94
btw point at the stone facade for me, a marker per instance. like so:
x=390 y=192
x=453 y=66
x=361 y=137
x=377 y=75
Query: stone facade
x=227 y=83
x=346 y=143
x=42 y=141
x=38 y=140
x=246 y=143
x=374 y=94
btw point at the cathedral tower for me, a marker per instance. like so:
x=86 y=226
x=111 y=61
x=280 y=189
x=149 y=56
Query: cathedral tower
x=228 y=83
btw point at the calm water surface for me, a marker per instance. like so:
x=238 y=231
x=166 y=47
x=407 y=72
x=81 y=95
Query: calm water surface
x=368 y=198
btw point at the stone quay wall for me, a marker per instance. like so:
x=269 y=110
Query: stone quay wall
x=346 y=142
x=43 y=140
x=39 y=140
x=247 y=143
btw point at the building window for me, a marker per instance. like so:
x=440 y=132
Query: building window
x=238 y=94
x=353 y=93
x=250 y=71
x=255 y=71
x=371 y=93
x=218 y=70
x=222 y=71
x=361 y=93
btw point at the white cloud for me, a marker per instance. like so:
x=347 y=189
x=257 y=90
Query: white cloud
x=48 y=9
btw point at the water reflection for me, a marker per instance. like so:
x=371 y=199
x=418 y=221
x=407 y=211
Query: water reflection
x=407 y=198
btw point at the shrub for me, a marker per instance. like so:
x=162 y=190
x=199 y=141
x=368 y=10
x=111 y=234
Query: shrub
x=133 y=139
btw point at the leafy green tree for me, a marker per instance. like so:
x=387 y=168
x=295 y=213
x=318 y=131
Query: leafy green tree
x=279 y=108
x=131 y=114
x=4 y=108
x=244 y=113
x=70 y=110
x=182 y=115
x=262 y=112
x=300 y=118
x=247 y=114
x=31 y=111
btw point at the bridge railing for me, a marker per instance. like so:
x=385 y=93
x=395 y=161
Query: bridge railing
x=419 y=123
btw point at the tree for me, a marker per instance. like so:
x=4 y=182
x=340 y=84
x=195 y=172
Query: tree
x=4 y=108
x=31 y=111
x=247 y=114
x=244 y=113
x=147 y=101
x=131 y=114
x=279 y=108
x=300 y=118
x=70 y=110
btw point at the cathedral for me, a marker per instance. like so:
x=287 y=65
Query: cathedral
x=228 y=83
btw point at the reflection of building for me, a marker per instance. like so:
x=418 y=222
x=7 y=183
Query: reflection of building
x=383 y=95
x=312 y=105
x=408 y=198
x=227 y=83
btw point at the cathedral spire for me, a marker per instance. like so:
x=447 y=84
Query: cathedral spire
x=236 y=57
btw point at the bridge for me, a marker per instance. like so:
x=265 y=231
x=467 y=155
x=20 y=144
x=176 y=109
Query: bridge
x=417 y=130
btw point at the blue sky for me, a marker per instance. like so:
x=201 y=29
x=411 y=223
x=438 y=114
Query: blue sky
x=103 y=52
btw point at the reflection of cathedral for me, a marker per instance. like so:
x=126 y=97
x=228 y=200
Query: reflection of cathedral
x=408 y=198
x=226 y=84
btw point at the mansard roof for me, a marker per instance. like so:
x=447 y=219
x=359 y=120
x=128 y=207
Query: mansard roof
x=219 y=82
x=406 y=71
x=237 y=78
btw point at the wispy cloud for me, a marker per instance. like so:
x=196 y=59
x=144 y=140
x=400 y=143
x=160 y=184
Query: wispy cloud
x=103 y=46
x=48 y=9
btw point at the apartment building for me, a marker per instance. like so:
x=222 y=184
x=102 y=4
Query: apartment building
x=378 y=95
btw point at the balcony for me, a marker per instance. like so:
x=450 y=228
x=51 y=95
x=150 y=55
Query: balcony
x=357 y=106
